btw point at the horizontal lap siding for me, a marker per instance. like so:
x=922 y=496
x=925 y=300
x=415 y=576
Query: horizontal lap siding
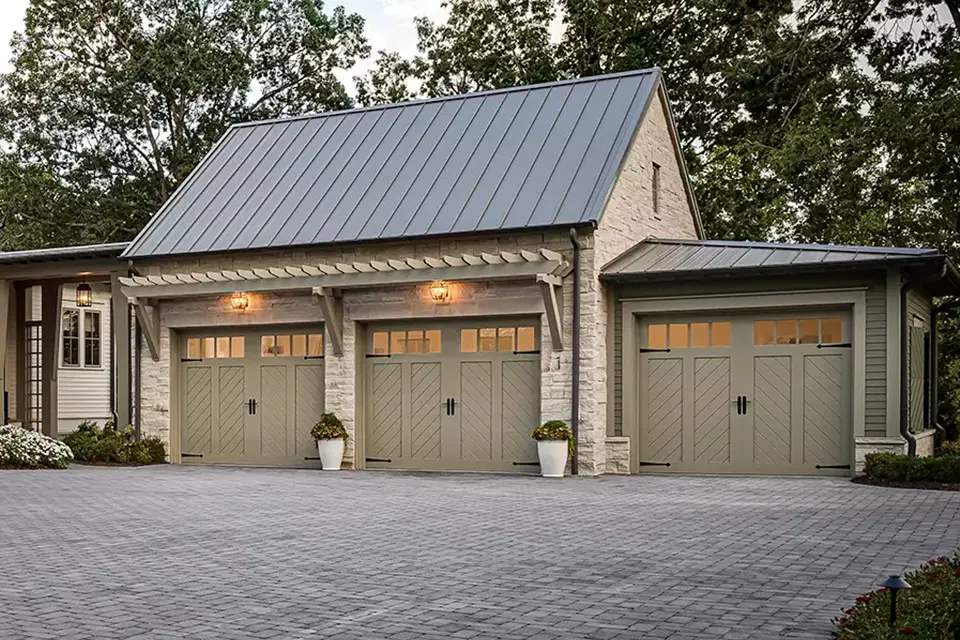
x=876 y=346
x=919 y=309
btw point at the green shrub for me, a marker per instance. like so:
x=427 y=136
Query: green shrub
x=950 y=448
x=927 y=610
x=328 y=428
x=110 y=445
x=555 y=430
x=902 y=468
x=25 y=449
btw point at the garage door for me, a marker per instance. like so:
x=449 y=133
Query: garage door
x=453 y=396
x=764 y=394
x=251 y=396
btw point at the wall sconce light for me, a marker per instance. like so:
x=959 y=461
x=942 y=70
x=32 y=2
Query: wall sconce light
x=439 y=291
x=84 y=295
x=240 y=301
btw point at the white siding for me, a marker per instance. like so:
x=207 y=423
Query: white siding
x=83 y=393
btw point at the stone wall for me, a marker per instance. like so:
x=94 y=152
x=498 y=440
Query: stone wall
x=877 y=445
x=926 y=443
x=618 y=455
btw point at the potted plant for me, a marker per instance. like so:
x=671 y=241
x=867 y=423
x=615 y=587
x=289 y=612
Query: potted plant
x=554 y=442
x=331 y=441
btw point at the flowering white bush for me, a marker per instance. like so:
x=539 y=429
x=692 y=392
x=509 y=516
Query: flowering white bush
x=27 y=449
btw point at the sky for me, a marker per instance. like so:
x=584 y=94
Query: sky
x=389 y=25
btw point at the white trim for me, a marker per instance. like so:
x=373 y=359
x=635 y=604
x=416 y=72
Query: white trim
x=634 y=308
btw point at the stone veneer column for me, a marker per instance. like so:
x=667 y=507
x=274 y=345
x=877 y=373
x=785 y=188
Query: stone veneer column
x=593 y=368
x=341 y=384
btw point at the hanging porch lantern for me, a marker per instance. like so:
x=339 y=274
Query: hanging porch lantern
x=84 y=295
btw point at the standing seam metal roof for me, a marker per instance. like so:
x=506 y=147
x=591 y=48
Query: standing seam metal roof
x=661 y=257
x=511 y=159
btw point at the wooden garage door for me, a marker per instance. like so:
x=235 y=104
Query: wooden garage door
x=766 y=394
x=453 y=396
x=251 y=397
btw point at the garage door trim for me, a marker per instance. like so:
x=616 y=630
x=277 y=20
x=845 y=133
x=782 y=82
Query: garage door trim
x=633 y=309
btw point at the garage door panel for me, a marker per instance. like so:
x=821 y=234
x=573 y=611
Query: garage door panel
x=198 y=410
x=772 y=407
x=426 y=411
x=711 y=410
x=664 y=441
x=476 y=422
x=233 y=410
x=824 y=440
x=309 y=401
x=387 y=408
x=273 y=411
x=521 y=410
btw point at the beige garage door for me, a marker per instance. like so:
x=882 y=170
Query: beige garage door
x=765 y=394
x=251 y=396
x=453 y=396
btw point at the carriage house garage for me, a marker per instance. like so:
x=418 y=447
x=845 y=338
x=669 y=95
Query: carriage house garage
x=445 y=275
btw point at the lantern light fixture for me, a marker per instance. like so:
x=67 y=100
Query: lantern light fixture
x=84 y=295
x=240 y=301
x=439 y=291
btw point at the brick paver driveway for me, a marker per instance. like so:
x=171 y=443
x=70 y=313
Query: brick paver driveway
x=250 y=553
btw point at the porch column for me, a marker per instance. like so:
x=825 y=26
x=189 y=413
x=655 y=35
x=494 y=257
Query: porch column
x=121 y=345
x=51 y=301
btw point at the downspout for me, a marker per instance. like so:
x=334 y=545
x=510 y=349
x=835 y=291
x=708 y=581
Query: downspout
x=904 y=382
x=575 y=393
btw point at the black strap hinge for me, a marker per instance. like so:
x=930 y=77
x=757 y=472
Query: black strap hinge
x=835 y=345
x=378 y=459
x=833 y=466
x=313 y=357
x=653 y=464
x=191 y=455
x=191 y=360
x=526 y=464
x=378 y=355
x=643 y=350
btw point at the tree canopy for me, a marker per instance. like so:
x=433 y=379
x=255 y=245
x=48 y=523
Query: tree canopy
x=111 y=103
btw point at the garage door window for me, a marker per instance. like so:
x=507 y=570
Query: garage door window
x=215 y=347
x=502 y=339
x=798 y=331
x=692 y=334
x=400 y=342
x=297 y=345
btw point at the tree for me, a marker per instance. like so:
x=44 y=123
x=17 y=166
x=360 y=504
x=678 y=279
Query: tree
x=111 y=103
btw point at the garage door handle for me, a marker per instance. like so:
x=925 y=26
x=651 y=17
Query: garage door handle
x=739 y=403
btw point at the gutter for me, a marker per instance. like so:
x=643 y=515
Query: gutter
x=575 y=393
x=137 y=358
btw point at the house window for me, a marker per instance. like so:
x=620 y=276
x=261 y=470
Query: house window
x=656 y=188
x=81 y=348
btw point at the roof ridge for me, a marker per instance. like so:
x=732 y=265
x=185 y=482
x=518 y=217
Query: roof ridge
x=459 y=96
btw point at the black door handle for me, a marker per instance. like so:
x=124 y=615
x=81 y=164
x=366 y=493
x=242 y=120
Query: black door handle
x=447 y=402
x=252 y=406
x=745 y=403
x=453 y=407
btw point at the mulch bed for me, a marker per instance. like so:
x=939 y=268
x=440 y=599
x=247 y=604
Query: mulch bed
x=929 y=486
x=113 y=464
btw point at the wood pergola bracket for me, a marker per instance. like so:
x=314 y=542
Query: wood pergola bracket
x=149 y=318
x=551 y=289
x=331 y=306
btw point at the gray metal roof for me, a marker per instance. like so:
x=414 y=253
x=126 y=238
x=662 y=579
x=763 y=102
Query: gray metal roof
x=526 y=157
x=655 y=257
x=64 y=253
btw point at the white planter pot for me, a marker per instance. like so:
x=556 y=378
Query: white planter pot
x=331 y=453
x=553 y=457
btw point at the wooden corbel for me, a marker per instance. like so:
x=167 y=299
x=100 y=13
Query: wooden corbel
x=331 y=306
x=149 y=318
x=550 y=290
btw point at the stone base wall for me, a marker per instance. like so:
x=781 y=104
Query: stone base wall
x=926 y=443
x=877 y=445
x=618 y=455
